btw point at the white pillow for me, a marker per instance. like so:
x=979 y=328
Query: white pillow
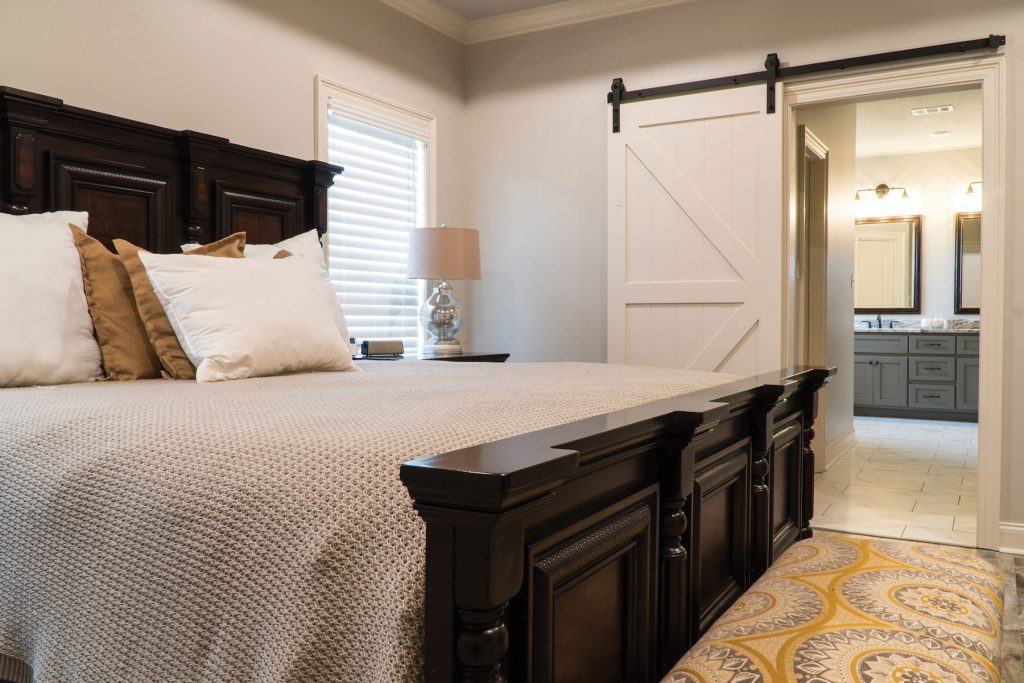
x=239 y=318
x=308 y=248
x=46 y=336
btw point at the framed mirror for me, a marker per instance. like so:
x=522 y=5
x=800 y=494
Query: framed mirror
x=887 y=265
x=967 y=288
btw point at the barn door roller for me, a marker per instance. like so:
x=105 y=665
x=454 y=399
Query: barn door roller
x=774 y=72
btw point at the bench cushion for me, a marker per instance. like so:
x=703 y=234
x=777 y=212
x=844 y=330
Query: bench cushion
x=839 y=608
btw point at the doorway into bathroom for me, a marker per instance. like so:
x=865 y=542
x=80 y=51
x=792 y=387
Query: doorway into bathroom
x=887 y=266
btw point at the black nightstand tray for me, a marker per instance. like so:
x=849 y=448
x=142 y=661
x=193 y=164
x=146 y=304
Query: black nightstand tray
x=468 y=357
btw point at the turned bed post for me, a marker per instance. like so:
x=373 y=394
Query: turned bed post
x=810 y=414
x=762 y=432
x=486 y=572
x=677 y=468
x=475 y=551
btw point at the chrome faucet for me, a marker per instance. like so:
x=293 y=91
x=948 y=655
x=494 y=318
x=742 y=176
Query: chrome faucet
x=866 y=322
x=879 y=321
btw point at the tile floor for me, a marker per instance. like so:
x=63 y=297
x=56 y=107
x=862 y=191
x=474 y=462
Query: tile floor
x=914 y=479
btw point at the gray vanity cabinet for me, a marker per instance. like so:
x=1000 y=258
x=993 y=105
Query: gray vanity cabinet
x=923 y=375
x=880 y=381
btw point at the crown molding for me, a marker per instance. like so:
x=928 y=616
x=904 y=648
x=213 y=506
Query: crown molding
x=435 y=15
x=556 y=15
x=564 y=13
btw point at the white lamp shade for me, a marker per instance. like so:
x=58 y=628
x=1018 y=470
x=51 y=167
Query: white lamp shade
x=450 y=253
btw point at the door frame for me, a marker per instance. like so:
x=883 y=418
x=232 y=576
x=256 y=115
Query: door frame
x=813 y=268
x=990 y=74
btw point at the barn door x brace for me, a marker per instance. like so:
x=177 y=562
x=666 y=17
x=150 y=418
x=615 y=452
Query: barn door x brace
x=775 y=72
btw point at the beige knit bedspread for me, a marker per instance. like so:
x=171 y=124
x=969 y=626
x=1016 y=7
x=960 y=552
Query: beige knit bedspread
x=253 y=530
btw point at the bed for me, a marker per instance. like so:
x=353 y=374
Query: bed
x=565 y=522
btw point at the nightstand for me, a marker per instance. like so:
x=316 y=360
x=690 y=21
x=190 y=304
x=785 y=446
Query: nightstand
x=467 y=357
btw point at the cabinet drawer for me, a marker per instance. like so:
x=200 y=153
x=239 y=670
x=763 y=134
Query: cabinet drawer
x=968 y=345
x=937 y=368
x=932 y=396
x=880 y=342
x=933 y=343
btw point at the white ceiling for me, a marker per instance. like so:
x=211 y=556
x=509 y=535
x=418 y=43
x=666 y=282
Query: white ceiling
x=886 y=127
x=477 y=21
x=481 y=9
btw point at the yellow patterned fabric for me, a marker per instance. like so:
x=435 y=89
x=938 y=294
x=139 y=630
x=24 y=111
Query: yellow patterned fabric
x=837 y=609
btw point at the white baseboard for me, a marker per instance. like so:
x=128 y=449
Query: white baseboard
x=835 y=450
x=1011 y=538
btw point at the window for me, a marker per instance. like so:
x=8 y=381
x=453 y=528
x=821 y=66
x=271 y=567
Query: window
x=382 y=195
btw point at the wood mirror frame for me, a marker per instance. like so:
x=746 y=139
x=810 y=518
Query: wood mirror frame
x=958 y=306
x=915 y=255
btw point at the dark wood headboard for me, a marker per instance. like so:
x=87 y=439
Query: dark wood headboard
x=154 y=186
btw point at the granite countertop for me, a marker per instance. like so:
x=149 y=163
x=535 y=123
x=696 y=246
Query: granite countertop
x=913 y=330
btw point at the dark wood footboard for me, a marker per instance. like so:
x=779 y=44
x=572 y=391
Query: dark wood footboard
x=602 y=549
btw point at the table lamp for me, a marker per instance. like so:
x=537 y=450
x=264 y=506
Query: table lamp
x=443 y=254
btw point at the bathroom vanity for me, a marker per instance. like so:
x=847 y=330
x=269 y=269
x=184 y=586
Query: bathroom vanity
x=916 y=373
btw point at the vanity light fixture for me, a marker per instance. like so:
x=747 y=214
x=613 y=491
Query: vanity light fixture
x=881 y=191
x=970 y=186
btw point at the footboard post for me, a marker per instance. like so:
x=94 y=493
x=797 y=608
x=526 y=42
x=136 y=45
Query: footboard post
x=475 y=512
x=762 y=430
x=674 y=636
x=810 y=410
x=474 y=568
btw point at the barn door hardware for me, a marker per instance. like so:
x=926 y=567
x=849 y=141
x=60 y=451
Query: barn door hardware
x=774 y=72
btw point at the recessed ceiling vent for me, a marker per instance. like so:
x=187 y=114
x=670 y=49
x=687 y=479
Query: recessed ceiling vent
x=924 y=111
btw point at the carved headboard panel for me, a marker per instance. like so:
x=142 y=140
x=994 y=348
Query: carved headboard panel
x=154 y=186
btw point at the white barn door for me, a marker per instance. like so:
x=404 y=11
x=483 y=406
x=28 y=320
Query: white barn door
x=695 y=237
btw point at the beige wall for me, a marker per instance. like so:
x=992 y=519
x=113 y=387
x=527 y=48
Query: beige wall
x=537 y=150
x=935 y=182
x=837 y=128
x=242 y=69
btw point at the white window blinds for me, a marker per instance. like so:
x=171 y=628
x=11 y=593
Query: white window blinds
x=372 y=207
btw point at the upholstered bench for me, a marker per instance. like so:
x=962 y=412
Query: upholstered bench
x=840 y=608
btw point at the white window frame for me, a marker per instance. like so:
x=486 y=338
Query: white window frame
x=382 y=113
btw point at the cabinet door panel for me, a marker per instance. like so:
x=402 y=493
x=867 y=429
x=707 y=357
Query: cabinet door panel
x=720 y=535
x=890 y=377
x=863 y=380
x=966 y=383
x=784 y=485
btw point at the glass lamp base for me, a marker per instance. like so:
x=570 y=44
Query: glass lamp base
x=441 y=317
x=443 y=347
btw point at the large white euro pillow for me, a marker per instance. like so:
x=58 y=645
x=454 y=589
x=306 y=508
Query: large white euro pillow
x=46 y=333
x=306 y=247
x=238 y=318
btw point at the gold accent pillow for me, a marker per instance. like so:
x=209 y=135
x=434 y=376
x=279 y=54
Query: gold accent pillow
x=124 y=344
x=175 y=363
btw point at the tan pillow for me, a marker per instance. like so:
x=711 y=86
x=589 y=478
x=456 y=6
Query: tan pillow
x=173 y=359
x=124 y=345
